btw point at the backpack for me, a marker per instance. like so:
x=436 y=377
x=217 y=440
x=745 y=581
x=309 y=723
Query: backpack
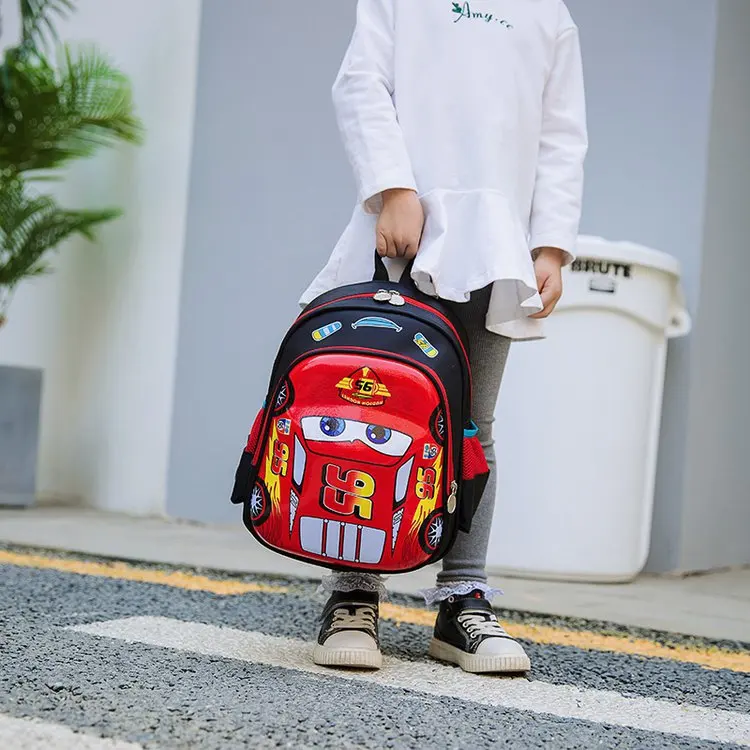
x=364 y=456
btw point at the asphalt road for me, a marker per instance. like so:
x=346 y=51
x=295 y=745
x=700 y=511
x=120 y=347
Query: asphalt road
x=103 y=657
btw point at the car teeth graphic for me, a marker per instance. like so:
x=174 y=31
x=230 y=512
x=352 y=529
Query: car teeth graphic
x=397 y=518
x=341 y=541
x=363 y=388
x=319 y=334
x=374 y=322
x=429 y=350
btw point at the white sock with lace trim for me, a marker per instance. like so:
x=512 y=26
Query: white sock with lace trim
x=458 y=588
x=347 y=581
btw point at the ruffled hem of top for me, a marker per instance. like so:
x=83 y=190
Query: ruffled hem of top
x=471 y=239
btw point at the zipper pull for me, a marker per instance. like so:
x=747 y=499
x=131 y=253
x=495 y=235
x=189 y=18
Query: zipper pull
x=451 y=505
x=396 y=299
x=382 y=296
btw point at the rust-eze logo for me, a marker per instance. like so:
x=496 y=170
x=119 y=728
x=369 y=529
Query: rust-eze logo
x=468 y=12
x=363 y=388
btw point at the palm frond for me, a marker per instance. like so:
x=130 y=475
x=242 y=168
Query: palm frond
x=50 y=116
x=37 y=28
x=102 y=98
x=31 y=226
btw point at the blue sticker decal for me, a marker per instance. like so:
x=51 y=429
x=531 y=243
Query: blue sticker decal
x=373 y=322
x=430 y=451
x=425 y=346
x=323 y=333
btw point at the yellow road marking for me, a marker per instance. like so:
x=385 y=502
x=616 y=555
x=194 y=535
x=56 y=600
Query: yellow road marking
x=711 y=658
x=177 y=579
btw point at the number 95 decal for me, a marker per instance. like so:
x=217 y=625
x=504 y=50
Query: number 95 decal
x=349 y=494
x=425 y=487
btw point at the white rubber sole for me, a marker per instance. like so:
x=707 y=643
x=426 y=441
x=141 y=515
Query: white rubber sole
x=349 y=658
x=477 y=664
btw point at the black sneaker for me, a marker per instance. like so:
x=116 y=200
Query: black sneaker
x=467 y=633
x=349 y=632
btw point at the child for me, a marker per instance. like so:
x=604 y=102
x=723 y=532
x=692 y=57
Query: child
x=465 y=125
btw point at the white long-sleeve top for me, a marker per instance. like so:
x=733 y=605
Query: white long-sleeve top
x=479 y=107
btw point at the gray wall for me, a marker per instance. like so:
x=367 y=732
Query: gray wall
x=649 y=70
x=270 y=193
x=715 y=528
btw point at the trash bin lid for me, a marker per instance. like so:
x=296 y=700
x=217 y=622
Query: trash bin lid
x=598 y=248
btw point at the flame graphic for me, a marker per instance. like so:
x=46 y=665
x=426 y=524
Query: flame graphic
x=273 y=481
x=427 y=505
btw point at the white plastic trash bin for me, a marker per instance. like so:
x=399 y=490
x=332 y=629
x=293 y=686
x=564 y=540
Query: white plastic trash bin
x=577 y=423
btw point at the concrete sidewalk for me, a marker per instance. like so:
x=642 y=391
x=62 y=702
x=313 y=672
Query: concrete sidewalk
x=715 y=605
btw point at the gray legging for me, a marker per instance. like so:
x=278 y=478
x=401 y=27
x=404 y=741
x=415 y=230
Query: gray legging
x=465 y=564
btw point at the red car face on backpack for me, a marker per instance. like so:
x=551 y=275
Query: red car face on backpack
x=352 y=469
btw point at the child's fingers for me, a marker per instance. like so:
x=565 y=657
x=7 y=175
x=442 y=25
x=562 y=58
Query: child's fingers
x=408 y=244
x=410 y=251
x=550 y=293
x=544 y=313
x=384 y=243
x=403 y=243
x=381 y=244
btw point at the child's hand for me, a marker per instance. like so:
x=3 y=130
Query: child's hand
x=548 y=269
x=399 y=228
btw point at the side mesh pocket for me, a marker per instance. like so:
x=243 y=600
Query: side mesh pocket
x=474 y=475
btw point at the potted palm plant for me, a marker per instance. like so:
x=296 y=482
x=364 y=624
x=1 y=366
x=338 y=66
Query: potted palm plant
x=58 y=104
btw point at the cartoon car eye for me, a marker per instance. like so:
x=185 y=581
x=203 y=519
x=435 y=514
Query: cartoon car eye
x=331 y=429
x=332 y=426
x=386 y=441
x=328 y=429
x=377 y=434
